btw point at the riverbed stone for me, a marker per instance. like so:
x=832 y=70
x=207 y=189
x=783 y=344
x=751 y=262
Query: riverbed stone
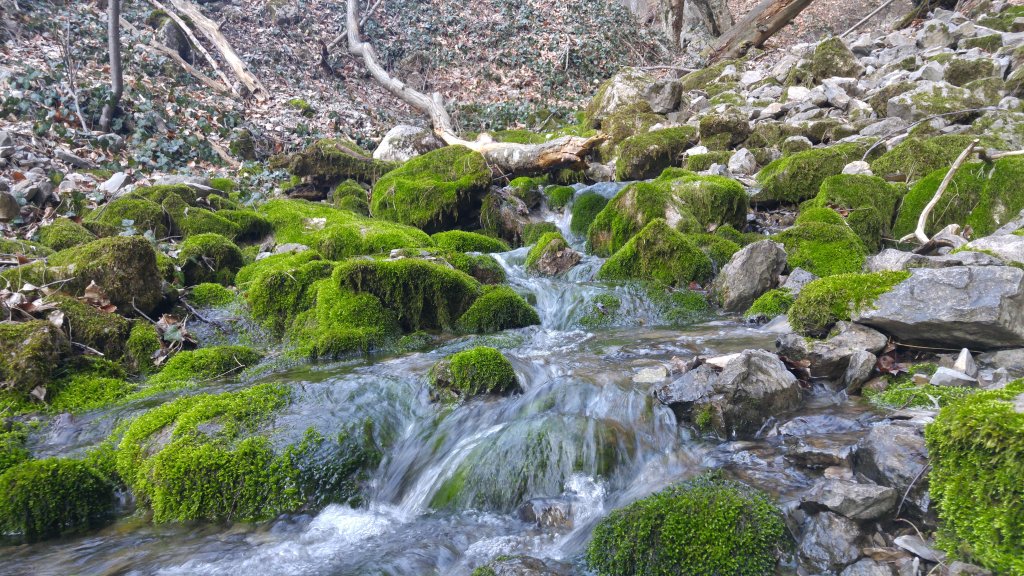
x=829 y=542
x=1008 y=247
x=948 y=377
x=547 y=512
x=867 y=567
x=891 y=259
x=830 y=358
x=750 y=273
x=854 y=500
x=893 y=454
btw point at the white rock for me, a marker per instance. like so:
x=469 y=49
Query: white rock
x=651 y=375
x=743 y=162
x=797 y=94
x=721 y=361
x=751 y=77
x=858 y=167
x=965 y=363
x=949 y=377
x=918 y=547
x=114 y=183
x=696 y=151
x=932 y=71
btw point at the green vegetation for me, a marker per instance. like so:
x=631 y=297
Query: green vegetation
x=832 y=58
x=326 y=163
x=143 y=342
x=12 y=446
x=974 y=448
x=770 y=304
x=534 y=231
x=498 y=308
x=798 y=177
x=559 y=196
x=349 y=195
x=210 y=294
x=102 y=331
x=719 y=249
x=42 y=499
x=474 y=372
x=868 y=202
x=63 y=233
x=822 y=248
x=601 y=311
x=706 y=526
x=584 y=210
x=826 y=301
x=251 y=226
x=916 y=156
x=193 y=367
x=646 y=155
x=702 y=162
x=123 y=267
x=967 y=200
x=84 y=392
x=460 y=241
x=548 y=243
x=209 y=258
x=30 y=354
x=134 y=212
x=905 y=394
x=660 y=254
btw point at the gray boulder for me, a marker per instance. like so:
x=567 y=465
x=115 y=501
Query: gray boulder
x=797 y=279
x=830 y=358
x=894 y=260
x=980 y=307
x=1009 y=247
x=949 y=377
x=894 y=455
x=663 y=95
x=628 y=87
x=404 y=142
x=930 y=98
x=851 y=499
x=829 y=542
x=750 y=273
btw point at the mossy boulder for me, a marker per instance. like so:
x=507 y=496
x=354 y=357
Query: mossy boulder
x=143 y=342
x=341 y=322
x=832 y=58
x=433 y=192
x=769 y=305
x=278 y=287
x=41 y=499
x=622 y=90
x=30 y=354
x=533 y=231
x=350 y=195
x=718 y=248
x=627 y=121
x=658 y=253
x=708 y=525
x=105 y=332
x=328 y=162
x=724 y=130
x=474 y=372
x=931 y=98
x=138 y=213
x=251 y=226
x=551 y=255
x=84 y=392
x=584 y=210
x=974 y=448
x=483 y=267
x=702 y=162
x=12 y=446
x=498 y=308
x=123 y=267
x=63 y=233
x=826 y=301
x=916 y=157
x=961 y=71
x=823 y=248
x=337 y=234
x=559 y=196
x=645 y=155
x=461 y=241
x=868 y=203
x=187 y=221
x=986 y=196
x=793 y=179
x=210 y=294
x=24 y=248
x=193 y=367
x=210 y=258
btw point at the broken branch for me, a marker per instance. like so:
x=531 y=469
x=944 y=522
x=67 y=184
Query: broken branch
x=922 y=220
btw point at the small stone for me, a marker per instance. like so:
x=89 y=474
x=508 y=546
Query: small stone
x=114 y=183
x=9 y=208
x=958 y=568
x=858 y=167
x=853 y=500
x=773 y=110
x=965 y=363
x=797 y=279
x=862 y=365
x=743 y=162
x=950 y=377
x=651 y=375
x=918 y=547
x=797 y=94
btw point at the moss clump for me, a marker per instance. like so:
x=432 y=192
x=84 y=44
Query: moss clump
x=991 y=43
x=868 y=202
x=719 y=249
x=819 y=215
x=278 y=288
x=974 y=448
x=191 y=220
x=796 y=178
x=210 y=294
x=304 y=108
x=337 y=234
x=203 y=365
x=328 y=162
x=559 y=196
x=721 y=131
x=601 y=311
x=833 y=58
x=964 y=195
x=102 y=331
x=136 y=213
x=84 y=392
x=584 y=210
x=30 y=353
x=770 y=304
x=251 y=226
x=210 y=258
x=646 y=155
x=548 y=243
x=23 y=248
x=341 y=322
x=905 y=394
x=481 y=370
x=916 y=156
x=63 y=233
x=483 y=267
x=435 y=191
x=350 y=195
x=143 y=342
x=460 y=241
x=702 y=162
x=823 y=249
x=826 y=301
x=123 y=267
x=534 y=231
x=661 y=254
x=498 y=308
x=708 y=525
x=42 y=499
x=12 y=446
x=624 y=122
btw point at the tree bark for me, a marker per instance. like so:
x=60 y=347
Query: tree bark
x=116 y=79
x=506 y=159
x=757 y=27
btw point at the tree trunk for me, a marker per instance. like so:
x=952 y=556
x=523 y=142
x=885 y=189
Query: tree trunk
x=506 y=159
x=114 y=47
x=757 y=27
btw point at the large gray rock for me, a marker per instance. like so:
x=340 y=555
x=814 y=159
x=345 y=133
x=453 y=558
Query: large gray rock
x=930 y=98
x=894 y=455
x=894 y=260
x=851 y=499
x=171 y=35
x=625 y=88
x=1009 y=247
x=977 y=307
x=829 y=542
x=753 y=387
x=830 y=358
x=663 y=95
x=750 y=273
x=404 y=142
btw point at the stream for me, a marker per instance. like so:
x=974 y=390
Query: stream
x=585 y=433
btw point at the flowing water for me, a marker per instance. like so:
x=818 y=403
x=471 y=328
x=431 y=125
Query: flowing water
x=445 y=496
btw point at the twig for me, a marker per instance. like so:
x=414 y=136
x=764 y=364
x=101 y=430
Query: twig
x=88 y=349
x=141 y=313
x=920 y=233
x=985 y=156
x=202 y=318
x=192 y=38
x=910 y=487
x=71 y=72
x=369 y=12
x=866 y=18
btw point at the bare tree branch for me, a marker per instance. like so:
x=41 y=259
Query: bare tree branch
x=757 y=27
x=922 y=220
x=114 y=48
x=192 y=38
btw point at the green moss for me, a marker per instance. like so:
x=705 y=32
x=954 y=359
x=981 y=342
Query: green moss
x=327 y=162
x=964 y=195
x=705 y=526
x=210 y=294
x=251 y=226
x=23 y=248
x=826 y=301
x=123 y=267
x=719 y=249
x=461 y=241
x=30 y=353
x=534 y=231
x=584 y=210
x=868 y=202
x=559 y=196
x=974 y=448
x=906 y=394
x=302 y=106
x=702 y=162
x=734 y=235
x=771 y=135
x=498 y=308
x=1002 y=198
x=796 y=178
x=833 y=58
x=84 y=392
x=474 y=372
x=601 y=311
x=626 y=121
x=483 y=267
x=548 y=243
x=191 y=220
x=991 y=43
x=167 y=268
x=350 y=195
x=63 y=233
x=105 y=332
x=143 y=342
x=678 y=307
x=42 y=499
x=823 y=249
x=1002 y=21
x=820 y=215
x=278 y=288
x=433 y=192
x=645 y=155
x=337 y=234
x=12 y=446
x=210 y=258
x=916 y=157
x=770 y=304
x=194 y=367
x=699 y=79
x=130 y=212
x=661 y=254
x=725 y=130
x=340 y=322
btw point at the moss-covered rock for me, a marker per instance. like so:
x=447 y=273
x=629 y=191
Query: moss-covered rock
x=826 y=301
x=328 y=162
x=474 y=372
x=645 y=155
x=350 y=195
x=483 y=267
x=210 y=258
x=278 y=288
x=584 y=210
x=823 y=248
x=189 y=220
x=868 y=202
x=769 y=305
x=559 y=196
x=832 y=58
x=23 y=248
x=84 y=392
x=210 y=294
x=717 y=247
x=251 y=226
x=974 y=448
x=932 y=98
x=461 y=241
x=105 y=332
x=337 y=234
x=63 y=233
x=136 y=213
x=42 y=499
x=658 y=253
x=123 y=267
x=796 y=178
x=707 y=525
x=533 y=231
x=193 y=367
x=961 y=71
x=916 y=157
x=434 y=192
x=143 y=342
x=627 y=121
x=733 y=124
x=702 y=162
x=498 y=308
x=340 y=322
x=551 y=255
x=624 y=89
x=12 y=446
x=953 y=208
x=30 y=353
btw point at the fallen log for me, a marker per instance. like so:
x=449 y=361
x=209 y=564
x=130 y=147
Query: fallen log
x=187 y=31
x=506 y=159
x=757 y=27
